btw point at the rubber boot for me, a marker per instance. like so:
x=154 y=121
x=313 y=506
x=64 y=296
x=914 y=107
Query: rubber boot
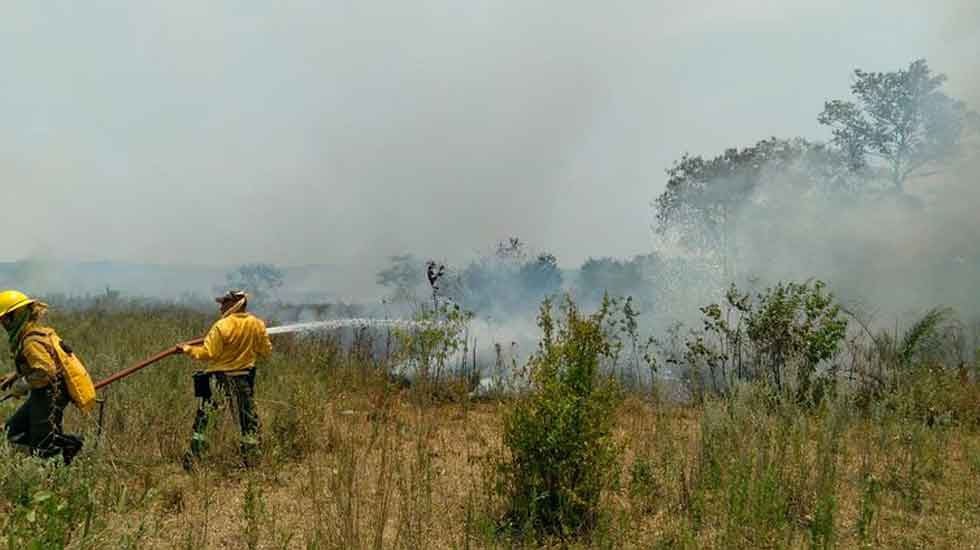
x=70 y=445
x=189 y=461
x=193 y=455
x=250 y=452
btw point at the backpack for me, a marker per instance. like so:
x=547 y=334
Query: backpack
x=81 y=390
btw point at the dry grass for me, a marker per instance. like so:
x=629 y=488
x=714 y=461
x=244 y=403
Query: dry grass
x=350 y=462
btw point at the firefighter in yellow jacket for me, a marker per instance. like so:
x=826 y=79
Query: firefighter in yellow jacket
x=40 y=359
x=231 y=348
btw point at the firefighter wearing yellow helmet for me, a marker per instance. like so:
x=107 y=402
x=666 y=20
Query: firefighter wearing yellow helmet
x=48 y=372
x=230 y=348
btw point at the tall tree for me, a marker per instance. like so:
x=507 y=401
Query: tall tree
x=599 y=276
x=703 y=196
x=541 y=276
x=260 y=280
x=510 y=279
x=512 y=250
x=900 y=121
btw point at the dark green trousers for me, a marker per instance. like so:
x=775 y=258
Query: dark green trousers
x=239 y=391
x=39 y=423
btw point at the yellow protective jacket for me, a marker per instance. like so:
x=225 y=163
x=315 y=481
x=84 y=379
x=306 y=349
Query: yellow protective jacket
x=233 y=344
x=34 y=362
x=44 y=357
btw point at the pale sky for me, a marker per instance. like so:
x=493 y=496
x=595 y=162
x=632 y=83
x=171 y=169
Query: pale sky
x=342 y=132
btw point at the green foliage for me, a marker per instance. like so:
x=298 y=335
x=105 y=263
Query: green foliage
x=929 y=396
x=781 y=338
x=561 y=451
x=900 y=118
x=795 y=324
x=921 y=337
x=900 y=125
x=718 y=347
x=427 y=350
x=912 y=373
x=702 y=195
x=50 y=506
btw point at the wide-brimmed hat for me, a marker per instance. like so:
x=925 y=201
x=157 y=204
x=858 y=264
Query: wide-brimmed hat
x=232 y=296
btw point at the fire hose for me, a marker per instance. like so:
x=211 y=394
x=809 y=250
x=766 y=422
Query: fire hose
x=145 y=363
x=131 y=370
x=139 y=366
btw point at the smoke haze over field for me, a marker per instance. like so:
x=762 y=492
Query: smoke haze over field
x=341 y=133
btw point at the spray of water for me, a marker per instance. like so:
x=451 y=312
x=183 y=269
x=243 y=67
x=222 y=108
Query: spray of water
x=334 y=324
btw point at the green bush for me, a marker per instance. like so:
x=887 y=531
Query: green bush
x=559 y=436
x=780 y=338
x=428 y=350
x=46 y=505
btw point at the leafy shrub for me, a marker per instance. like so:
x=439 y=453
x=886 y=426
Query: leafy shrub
x=49 y=506
x=781 y=338
x=919 y=373
x=427 y=351
x=561 y=451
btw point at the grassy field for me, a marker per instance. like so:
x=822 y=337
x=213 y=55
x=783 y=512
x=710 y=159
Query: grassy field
x=352 y=461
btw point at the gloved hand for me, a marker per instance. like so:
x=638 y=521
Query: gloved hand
x=182 y=348
x=20 y=387
x=7 y=381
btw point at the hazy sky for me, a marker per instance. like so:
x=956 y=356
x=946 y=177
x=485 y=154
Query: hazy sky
x=341 y=132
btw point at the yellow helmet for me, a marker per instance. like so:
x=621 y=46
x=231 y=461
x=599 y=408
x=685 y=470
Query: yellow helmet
x=11 y=300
